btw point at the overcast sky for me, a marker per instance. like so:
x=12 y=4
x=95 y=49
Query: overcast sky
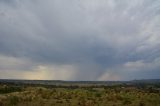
x=80 y=39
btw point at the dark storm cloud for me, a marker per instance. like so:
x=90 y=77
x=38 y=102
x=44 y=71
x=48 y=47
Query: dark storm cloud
x=95 y=37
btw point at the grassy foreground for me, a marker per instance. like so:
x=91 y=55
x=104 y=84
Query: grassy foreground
x=11 y=95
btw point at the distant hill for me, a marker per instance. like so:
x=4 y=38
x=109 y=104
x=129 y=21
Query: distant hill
x=146 y=81
x=60 y=82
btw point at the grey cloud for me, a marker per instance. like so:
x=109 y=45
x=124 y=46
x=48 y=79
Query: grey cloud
x=91 y=36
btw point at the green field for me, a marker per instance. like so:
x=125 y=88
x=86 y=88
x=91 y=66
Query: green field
x=32 y=95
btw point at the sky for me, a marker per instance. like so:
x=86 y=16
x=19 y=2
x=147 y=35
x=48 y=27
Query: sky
x=91 y=40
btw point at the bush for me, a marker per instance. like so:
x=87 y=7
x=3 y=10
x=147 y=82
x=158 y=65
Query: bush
x=141 y=103
x=13 y=100
x=8 y=89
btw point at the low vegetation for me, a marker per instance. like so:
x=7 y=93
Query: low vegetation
x=28 y=95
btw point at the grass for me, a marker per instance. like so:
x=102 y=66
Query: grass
x=103 y=96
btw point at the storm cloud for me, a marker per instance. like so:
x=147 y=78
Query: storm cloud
x=80 y=39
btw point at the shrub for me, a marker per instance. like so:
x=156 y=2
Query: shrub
x=141 y=103
x=13 y=100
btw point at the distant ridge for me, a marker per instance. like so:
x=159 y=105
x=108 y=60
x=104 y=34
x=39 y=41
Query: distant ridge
x=62 y=82
x=147 y=80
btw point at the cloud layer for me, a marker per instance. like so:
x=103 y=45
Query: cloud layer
x=80 y=39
